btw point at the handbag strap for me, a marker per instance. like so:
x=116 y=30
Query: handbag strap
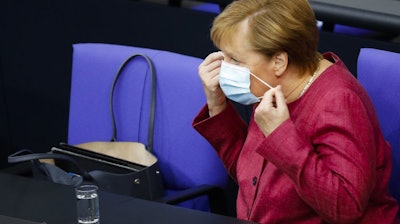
x=150 y=134
x=24 y=155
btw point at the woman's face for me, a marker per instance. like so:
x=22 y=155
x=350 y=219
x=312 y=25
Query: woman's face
x=239 y=52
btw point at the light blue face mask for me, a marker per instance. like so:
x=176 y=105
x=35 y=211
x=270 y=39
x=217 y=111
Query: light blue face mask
x=235 y=83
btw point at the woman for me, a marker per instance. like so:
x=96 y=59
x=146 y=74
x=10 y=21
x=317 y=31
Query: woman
x=313 y=151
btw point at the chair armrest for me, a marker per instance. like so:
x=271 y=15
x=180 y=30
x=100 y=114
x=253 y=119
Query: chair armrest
x=187 y=194
x=215 y=194
x=216 y=197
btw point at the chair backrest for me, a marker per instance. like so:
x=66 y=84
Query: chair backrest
x=379 y=73
x=186 y=158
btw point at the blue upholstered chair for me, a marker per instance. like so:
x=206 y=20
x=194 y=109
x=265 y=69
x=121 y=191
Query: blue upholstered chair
x=379 y=73
x=187 y=161
x=207 y=7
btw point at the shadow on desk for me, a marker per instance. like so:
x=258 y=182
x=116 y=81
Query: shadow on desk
x=42 y=201
x=12 y=220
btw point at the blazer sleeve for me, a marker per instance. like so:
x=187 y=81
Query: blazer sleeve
x=226 y=132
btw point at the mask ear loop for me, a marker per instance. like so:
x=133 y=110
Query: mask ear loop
x=262 y=81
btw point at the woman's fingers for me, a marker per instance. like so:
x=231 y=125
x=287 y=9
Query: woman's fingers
x=212 y=61
x=272 y=110
x=209 y=74
x=210 y=67
x=280 y=99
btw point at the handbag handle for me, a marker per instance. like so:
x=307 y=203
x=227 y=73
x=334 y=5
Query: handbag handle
x=27 y=155
x=150 y=134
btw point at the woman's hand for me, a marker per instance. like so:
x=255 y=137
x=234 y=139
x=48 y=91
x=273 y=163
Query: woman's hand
x=209 y=75
x=272 y=111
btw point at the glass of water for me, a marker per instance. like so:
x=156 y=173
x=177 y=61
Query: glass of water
x=87 y=204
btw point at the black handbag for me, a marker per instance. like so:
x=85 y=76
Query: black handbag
x=127 y=168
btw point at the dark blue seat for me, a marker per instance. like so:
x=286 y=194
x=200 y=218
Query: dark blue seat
x=379 y=73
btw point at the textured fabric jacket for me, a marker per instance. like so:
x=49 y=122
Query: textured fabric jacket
x=328 y=163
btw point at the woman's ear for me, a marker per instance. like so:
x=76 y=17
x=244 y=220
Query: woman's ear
x=281 y=61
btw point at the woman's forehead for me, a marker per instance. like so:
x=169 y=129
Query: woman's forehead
x=238 y=38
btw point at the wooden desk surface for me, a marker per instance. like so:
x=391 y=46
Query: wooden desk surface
x=42 y=201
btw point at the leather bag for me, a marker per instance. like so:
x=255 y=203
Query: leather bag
x=122 y=167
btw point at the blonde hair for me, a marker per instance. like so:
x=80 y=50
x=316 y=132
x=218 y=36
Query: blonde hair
x=274 y=26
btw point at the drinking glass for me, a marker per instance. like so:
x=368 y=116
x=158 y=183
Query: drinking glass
x=87 y=204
